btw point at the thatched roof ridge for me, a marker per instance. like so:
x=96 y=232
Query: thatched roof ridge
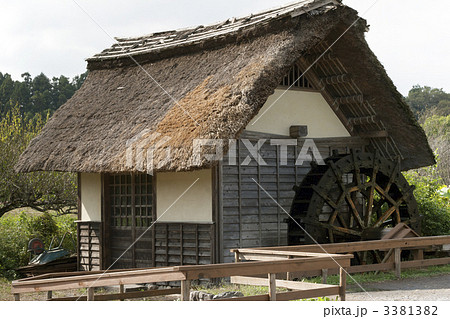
x=156 y=45
x=212 y=91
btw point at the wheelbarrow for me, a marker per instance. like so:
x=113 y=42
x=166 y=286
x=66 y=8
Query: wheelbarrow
x=54 y=259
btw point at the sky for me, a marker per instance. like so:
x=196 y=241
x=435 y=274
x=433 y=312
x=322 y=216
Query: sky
x=410 y=38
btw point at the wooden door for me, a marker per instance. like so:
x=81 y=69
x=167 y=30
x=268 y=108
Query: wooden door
x=130 y=215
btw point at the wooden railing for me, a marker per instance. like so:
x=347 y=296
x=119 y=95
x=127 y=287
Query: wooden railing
x=185 y=274
x=392 y=247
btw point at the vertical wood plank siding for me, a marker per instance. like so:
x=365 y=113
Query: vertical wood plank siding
x=89 y=246
x=250 y=218
x=183 y=244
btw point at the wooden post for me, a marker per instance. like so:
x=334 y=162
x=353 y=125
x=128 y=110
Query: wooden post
x=49 y=295
x=342 y=283
x=418 y=254
x=122 y=291
x=288 y=274
x=90 y=294
x=185 y=290
x=16 y=297
x=272 y=287
x=236 y=256
x=398 y=262
x=324 y=276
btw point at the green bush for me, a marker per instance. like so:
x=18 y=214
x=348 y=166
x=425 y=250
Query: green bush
x=17 y=230
x=433 y=203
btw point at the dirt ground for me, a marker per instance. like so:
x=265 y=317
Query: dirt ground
x=435 y=288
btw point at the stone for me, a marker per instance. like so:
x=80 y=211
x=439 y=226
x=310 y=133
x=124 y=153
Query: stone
x=201 y=296
x=228 y=294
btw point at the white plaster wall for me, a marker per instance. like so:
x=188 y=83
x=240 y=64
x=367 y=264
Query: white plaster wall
x=194 y=206
x=298 y=108
x=91 y=196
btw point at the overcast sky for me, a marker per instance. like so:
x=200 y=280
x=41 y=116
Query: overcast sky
x=411 y=38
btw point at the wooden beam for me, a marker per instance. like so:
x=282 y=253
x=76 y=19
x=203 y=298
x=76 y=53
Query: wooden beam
x=288 y=284
x=246 y=298
x=125 y=295
x=304 y=294
x=335 y=79
x=349 y=99
x=263 y=267
x=371 y=267
x=425 y=262
x=99 y=280
x=373 y=134
x=281 y=253
x=363 y=120
x=336 y=248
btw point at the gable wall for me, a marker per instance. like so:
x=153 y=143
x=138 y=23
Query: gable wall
x=297 y=107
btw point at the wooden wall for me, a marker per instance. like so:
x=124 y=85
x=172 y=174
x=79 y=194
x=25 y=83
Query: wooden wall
x=164 y=244
x=89 y=246
x=183 y=244
x=249 y=216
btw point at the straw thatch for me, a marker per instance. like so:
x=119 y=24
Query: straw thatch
x=205 y=86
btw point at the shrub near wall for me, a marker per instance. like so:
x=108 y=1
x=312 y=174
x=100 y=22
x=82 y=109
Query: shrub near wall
x=17 y=230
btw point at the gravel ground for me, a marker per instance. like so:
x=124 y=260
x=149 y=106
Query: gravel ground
x=412 y=289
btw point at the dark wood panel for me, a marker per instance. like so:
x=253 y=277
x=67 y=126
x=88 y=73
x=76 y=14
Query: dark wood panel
x=250 y=217
x=89 y=247
x=184 y=244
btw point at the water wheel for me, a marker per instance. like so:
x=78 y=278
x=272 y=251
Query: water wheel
x=353 y=197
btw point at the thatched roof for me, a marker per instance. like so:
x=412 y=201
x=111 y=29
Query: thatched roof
x=207 y=82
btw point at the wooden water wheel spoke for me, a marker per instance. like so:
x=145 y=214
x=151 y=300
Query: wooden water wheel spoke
x=354 y=211
x=333 y=217
x=377 y=256
x=373 y=183
x=356 y=173
x=344 y=230
x=385 y=195
x=342 y=221
x=394 y=173
x=365 y=193
x=397 y=215
x=385 y=216
x=325 y=197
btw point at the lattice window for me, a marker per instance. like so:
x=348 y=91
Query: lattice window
x=296 y=79
x=131 y=200
x=143 y=200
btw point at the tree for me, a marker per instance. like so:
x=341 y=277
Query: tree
x=437 y=129
x=423 y=99
x=38 y=95
x=39 y=190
